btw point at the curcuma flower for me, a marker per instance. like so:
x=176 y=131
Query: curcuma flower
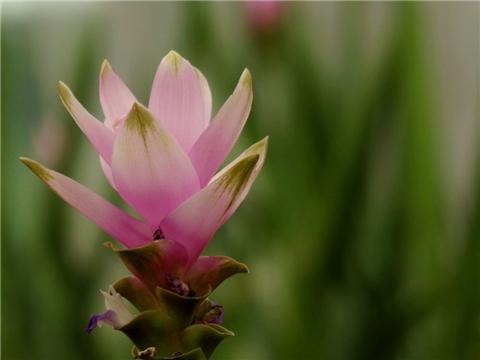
x=162 y=161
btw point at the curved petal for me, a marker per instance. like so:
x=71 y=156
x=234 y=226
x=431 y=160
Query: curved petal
x=151 y=172
x=178 y=99
x=195 y=221
x=216 y=142
x=211 y=271
x=115 y=97
x=207 y=96
x=260 y=149
x=114 y=302
x=112 y=220
x=97 y=133
x=108 y=317
x=155 y=262
x=205 y=336
x=135 y=291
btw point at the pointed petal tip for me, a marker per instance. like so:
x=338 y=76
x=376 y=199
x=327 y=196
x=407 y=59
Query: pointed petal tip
x=65 y=94
x=24 y=159
x=173 y=53
x=246 y=78
x=106 y=67
x=139 y=118
x=174 y=59
x=259 y=148
x=110 y=245
x=265 y=141
x=244 y=269
x=221 y=331
x=137 y=106
x=37 y=168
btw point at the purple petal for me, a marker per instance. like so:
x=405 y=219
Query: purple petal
x=108 y=317
x=216 y=314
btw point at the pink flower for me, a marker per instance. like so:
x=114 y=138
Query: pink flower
x=162 y=159
x=264 y=15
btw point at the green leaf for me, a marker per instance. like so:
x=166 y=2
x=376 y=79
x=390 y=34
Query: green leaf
x=211 y=271
x=207 y=337
x=180 y=308
x=132 y=289
x=151 y=328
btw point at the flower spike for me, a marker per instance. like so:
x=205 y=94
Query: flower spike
x=162 y=161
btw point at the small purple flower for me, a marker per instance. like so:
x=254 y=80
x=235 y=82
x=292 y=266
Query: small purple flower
x=215 y=315
x=116 y=315
x=177 y=286
x=96 y=320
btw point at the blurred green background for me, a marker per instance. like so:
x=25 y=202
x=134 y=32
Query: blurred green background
x=362 y=232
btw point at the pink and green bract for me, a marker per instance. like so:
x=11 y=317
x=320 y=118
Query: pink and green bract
x=163 y=160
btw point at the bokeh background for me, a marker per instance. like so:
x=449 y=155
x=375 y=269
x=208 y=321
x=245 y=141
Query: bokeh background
x=363 y=231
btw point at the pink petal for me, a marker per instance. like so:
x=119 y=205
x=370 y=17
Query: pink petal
x=207 y=97
x=260 y=149
x=195 y=221
x=97 y=133
x=150 y=170
x=178 y=99
x=107 y=171
x=115 y=97
x=218 y=139
x=112 y=220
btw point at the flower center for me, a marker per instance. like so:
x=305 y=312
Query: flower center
x=177 y=286
x=158 y=234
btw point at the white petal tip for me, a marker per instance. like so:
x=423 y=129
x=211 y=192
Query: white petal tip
x=246 y=78
x=105 y=69
x=174 y=59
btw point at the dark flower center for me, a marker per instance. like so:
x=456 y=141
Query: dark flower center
x=158 y=234
x=178 y=286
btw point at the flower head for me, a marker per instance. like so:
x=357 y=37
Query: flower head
x=162 y=159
